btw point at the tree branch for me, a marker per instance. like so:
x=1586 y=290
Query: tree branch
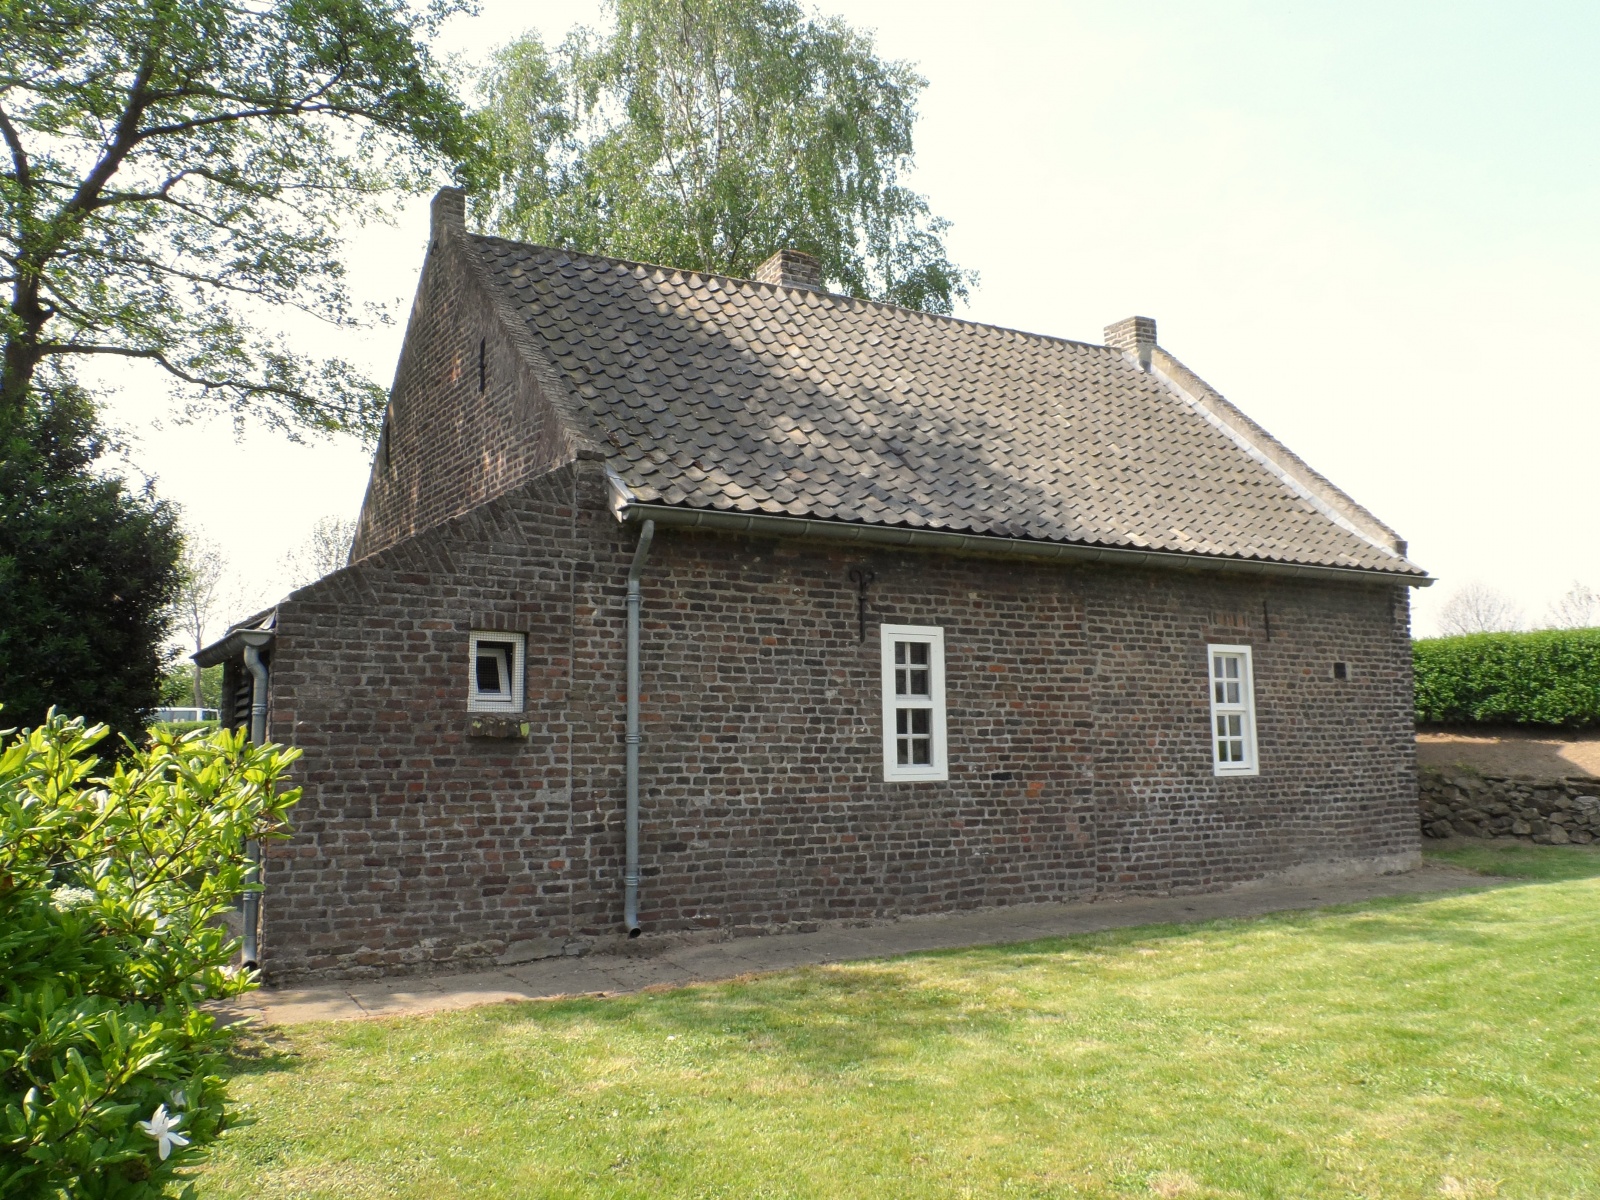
x=243 y=386
x=19 y=156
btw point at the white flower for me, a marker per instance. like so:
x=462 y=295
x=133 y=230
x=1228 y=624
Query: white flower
x=64 y=899
x=180 y=1098
x=161 y=1127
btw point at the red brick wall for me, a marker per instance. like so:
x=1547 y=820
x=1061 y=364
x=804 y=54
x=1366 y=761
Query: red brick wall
x=1078 y=724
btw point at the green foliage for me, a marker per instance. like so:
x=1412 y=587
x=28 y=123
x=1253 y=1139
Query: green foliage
x=112 y=890
x=174 y=166
x=708 y=134
x=177 y=685
x=1550 y=677
x=178 y=727
x=88 y=571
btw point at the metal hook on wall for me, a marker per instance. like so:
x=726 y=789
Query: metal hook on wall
x=861 y=577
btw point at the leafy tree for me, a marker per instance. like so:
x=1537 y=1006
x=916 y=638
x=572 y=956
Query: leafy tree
x=174 y=167
x=88 y=574
x=1478 y=608
x=177 y=689
x=1579 y=608
x=325 y=550
x=709 y=133
x=200 y=598
x=113 y=889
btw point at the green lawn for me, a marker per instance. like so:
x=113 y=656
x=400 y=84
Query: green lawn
x=1436 y=1047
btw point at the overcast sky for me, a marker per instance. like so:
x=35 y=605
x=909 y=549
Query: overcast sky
x=1370 y=225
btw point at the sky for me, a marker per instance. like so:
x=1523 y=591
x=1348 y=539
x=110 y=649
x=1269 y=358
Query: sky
x=1369 y=225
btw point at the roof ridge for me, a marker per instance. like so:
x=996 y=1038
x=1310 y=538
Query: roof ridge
x=821 y=292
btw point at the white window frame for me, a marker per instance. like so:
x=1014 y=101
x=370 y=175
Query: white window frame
x=1223 y=707
x=893 y=770
x=478 y=701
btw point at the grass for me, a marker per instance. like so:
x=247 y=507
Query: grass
x=1521 y=860
x=1432 y=1047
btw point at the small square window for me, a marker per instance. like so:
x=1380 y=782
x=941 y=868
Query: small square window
x=496 y=671
x=1341 y=670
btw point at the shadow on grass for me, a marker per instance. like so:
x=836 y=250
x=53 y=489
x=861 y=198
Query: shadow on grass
x=872 y=1013
x=869 y=1013
x=824 y=1020
x=259 y=1051
x=1520 y=860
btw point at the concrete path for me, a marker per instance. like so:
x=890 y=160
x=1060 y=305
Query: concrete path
x=682 y=963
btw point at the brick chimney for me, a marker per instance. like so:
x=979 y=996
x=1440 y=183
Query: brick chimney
x=790 y=268
x=1135 y=336
x=449 y=211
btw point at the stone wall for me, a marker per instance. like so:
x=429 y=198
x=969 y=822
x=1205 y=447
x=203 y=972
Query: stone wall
x=1080 y=760
x=1547 y=811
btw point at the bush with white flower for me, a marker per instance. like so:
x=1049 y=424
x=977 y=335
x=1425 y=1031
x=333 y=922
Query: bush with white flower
x=113 y=888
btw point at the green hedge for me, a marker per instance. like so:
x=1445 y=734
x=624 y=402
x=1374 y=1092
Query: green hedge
x=1551 y=677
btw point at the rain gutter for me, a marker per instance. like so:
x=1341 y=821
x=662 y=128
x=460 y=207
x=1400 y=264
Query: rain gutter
x=763 y=525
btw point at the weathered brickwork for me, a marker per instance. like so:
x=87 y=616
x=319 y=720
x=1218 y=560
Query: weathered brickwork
x=469 y=416
x=1077 y=699
x=1078 y=730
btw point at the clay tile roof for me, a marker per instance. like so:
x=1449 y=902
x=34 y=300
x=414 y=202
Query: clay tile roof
x=726 y=394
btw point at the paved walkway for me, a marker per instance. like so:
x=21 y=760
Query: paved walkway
x=682 y=963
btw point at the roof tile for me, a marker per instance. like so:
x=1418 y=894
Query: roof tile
x=719 y=393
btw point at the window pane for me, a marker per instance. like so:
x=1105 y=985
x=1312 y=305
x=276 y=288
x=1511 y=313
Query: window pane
x=914 y=678
x=914 y=736
x=490 y=673
x=1233 y=693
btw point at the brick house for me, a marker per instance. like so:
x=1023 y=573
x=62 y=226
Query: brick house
x=930 y=615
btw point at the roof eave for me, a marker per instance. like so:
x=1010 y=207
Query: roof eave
x=763 y=524
x=256 y=630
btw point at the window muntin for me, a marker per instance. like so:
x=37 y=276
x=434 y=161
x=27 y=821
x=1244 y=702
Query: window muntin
x=1233 y=710
x=913 y=702
x=495 y=672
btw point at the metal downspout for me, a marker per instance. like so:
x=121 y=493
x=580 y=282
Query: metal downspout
x=630 y=876
x=258 y=734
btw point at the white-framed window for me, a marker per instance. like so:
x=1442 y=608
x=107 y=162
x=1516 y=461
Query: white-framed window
x=1233 y=711
x=913 y=703
x=495 y=671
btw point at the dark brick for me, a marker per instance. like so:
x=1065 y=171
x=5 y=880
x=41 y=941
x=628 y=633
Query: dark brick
x=1078 y=716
